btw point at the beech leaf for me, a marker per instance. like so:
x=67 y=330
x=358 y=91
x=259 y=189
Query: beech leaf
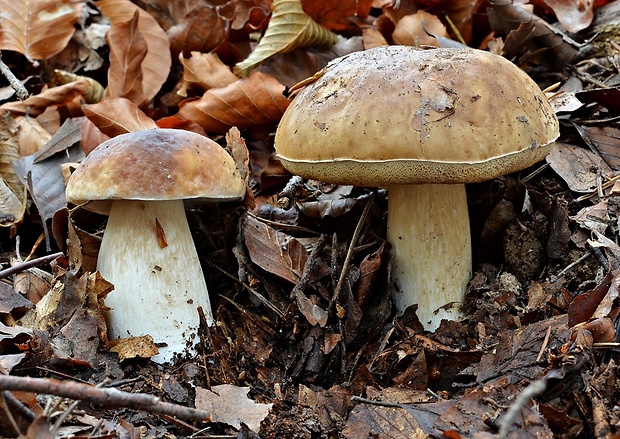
x=55 y=96
x=289 y=28
x=114 y=116
x=255 y=100
x=127 y=51
x=37 y=29
x=573 y=15
x=204 y=71
x=156 y=64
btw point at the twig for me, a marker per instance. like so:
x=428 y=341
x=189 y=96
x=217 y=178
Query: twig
x=19 y=88
x=309 y=267
x=347 y=261
x=287 y=195
x=535 y=389
x=570 y=266
x=107 y=398
x=355 y=398
x=29 y=264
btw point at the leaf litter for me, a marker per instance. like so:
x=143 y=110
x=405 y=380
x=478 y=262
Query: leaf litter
x=305 y=342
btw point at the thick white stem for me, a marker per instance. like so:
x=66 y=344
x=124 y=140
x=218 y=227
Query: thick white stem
x=428 y=227
x=157 y=289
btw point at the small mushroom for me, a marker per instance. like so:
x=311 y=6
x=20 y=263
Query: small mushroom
x=147 y=251
x=421 y=123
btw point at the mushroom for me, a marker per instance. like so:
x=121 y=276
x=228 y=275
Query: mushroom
x=421 y=123
x=147 y=252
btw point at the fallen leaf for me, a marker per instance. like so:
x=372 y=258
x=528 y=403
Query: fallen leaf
x=574 y=15
x=414 y=29
x=118 y=115
x=289 y=28
x=51 y=97
x=134 y=347
x=202 y=71
x=37 y=29
x=127 y=52
x=274 y=251
x=11 y=302
x=32 y=135
x=577 y=166
x=252 y=101
x=156 y=64
x=231 y=405
x=337 y=14
x=201 y=30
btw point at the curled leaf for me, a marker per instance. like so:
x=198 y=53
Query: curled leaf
x=255 y=100
x=289 y=28
x=92 y=96
x=204 y=71
x=156 y=64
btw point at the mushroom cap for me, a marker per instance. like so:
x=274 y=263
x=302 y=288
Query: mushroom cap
x=398 y=115
x=159 y=164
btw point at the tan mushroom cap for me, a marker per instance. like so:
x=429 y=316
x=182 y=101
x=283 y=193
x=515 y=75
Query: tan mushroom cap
x=160 y=164
x=397 y=115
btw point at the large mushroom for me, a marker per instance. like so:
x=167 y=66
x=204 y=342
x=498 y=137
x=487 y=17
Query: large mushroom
x=147 y=251
x=421 y=123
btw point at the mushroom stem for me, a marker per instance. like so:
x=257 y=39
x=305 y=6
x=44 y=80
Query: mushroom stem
x=428 y=227
x=158 y=287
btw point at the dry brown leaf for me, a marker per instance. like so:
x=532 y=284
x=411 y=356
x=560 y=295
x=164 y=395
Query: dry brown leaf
x=578 y=167
x=337 y=14
x=411 y=30
x=127 y=51
x=231 y=405
x=91 y=135
x=32 y=135
x=606 y=139
x=274 y=251
x=55 y=96
x=202 y=30
x=289 y=28
x=255 y=100
x=134 y=347
x=157 y=62
x=574 y=15
x=37 y=29
x=114 y=116
x=94 y=95
x=204 y=71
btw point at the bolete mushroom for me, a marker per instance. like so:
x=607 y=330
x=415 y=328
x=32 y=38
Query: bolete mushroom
x=421 y=123
x=147 y=251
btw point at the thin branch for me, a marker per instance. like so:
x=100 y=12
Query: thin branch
x=29 y=264
x=536 y=388
x=347 y=261
x=19 y=88
x=107 y=398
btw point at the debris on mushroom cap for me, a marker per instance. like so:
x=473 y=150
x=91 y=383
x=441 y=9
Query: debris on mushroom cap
x=160 y=164
x=398 y=115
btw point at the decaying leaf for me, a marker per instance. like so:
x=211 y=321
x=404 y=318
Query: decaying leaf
x=37 y=29
x=231 y=405
x=252 y=101
x=157 y=61
x=117 y=115
x=274 y=251
x=44 y=178
x=289 y=28
x=134 y=347
x=578 y=167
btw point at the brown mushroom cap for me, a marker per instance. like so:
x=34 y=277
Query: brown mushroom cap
x=160 y=164
x=397 y=115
